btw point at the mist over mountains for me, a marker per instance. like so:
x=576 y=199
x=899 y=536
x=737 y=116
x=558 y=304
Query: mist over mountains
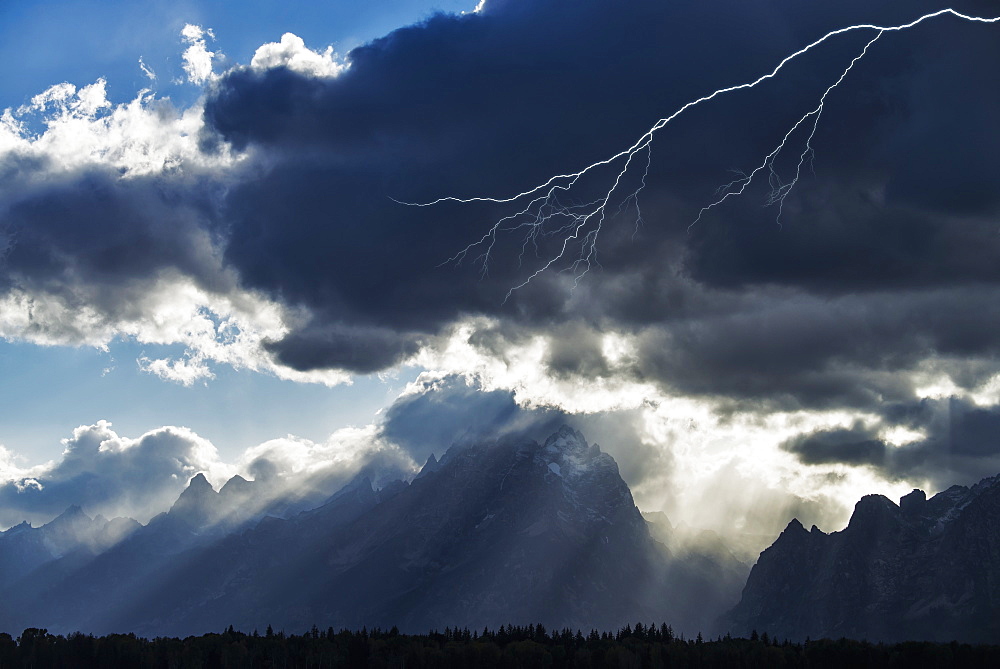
x=502 y=531
x=505 y=530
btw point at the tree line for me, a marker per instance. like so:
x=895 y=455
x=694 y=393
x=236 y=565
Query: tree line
x=641 y=647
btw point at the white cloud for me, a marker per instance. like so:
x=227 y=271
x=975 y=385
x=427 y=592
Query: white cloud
x=477 y=9
x=299 y=460
x=9 y=470
x=11 y=132
x=227 y=327
x=521 y=367
x=83 y=129
x=27 y=484
x=53 y=95
x=184 y=370
x=292 y=53
x=197 y=58
x=148 y=71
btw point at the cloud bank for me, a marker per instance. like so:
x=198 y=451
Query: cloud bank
x=110 y=474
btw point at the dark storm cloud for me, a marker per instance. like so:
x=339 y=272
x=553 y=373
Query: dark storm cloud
x=358 y=349
x=458 y=105
x=853 y=446
x=851 y=239
x=576 y=351
x=811 y=351
x=902 y=206
x=885 y=257
x=92 y=228
x=773 y=348
x=962 y=443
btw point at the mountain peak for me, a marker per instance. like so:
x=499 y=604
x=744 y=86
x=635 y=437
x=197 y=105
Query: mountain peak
x=566 y=440
x=197 y=501
x=199 y=481
x=72 y=515
x=235 y=486
x=793 y=536
x=360 y=482
x=198 y=489
x=432 y=465
x=913 y=502
x=794 y=526
x=569 y=434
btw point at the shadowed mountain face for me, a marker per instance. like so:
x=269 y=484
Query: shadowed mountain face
x=927 y=569
x=512 y=531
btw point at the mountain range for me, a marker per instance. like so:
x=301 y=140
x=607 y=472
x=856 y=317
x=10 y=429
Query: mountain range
x=504 y=531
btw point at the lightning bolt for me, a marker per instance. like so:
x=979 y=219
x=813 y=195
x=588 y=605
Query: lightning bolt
x=548 y=210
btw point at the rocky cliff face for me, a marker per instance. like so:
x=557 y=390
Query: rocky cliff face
x=511 y=531
x=925 y=569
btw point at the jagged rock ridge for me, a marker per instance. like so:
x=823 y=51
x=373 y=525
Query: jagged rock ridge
x=926 y=569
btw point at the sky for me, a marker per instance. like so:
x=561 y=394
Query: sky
x=757 y=266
